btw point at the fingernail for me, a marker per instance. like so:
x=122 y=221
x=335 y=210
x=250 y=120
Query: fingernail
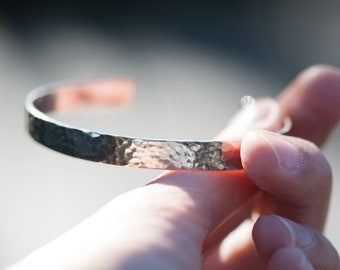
x=287 y=155
x=300 y=235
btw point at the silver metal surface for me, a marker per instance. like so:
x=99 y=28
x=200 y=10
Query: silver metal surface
x=117 y=149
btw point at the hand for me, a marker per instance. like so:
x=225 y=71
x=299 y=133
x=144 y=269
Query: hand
x=271 y=214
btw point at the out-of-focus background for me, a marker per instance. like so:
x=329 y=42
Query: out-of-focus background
x=191 y=60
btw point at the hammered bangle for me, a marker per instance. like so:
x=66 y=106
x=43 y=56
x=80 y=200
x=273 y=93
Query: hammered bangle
x=215 y=155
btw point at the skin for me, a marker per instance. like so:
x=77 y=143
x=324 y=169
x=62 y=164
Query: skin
x=269 y=216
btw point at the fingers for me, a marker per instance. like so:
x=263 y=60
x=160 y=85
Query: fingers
x=293 y=173
x=296 y=181
x=312 y=101
x=284 y=244
x=264 y=114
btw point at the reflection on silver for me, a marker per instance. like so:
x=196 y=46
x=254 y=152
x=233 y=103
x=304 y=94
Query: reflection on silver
x=115 y=149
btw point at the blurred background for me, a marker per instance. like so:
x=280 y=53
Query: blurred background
x=192 y=61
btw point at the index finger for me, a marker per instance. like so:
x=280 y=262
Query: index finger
x=312 y=101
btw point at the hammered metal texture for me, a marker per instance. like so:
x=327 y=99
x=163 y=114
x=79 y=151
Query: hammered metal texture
x=122 y=150
x=140 y=153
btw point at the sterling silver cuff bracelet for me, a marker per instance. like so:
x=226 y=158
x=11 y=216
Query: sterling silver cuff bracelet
x=215 y=155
